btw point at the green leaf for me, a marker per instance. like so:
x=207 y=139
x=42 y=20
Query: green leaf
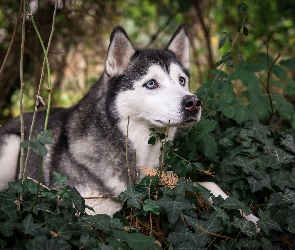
x=222 y=42
x=220 y=213
x=7 y=227
x=152 y=140
x=245 y=226
x=45 y=137
x=289 y=142
x=248 y=244
x=59 y=179
x=279 y=72
x=266 y=223
x=15 y=187
x=29 y=227
x=258 y=184
x=132 y=196
x=227 y=110
x=240 y=114
x=31 y=186
x=245 y=31
x=282 y=179
x=232 y=203
x=281 y=155
x=267 y=244
x=207 y=146
x=104 y=222
x=289 y=195
x=205 y=126
x=35 y=146
x=64 y=228
x=174 y=206
x=136 y=240
x=218 y=63
x=42 y=243
x=289 y=63
x=151 y=206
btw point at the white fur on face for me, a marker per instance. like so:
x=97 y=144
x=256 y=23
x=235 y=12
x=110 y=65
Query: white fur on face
x=156 y=107
x=8 y=160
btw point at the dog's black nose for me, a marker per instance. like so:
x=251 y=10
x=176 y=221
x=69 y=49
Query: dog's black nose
x=191 y=103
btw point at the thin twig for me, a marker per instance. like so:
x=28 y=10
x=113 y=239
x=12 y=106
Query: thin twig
x=39 y=87
x=49 y=93
x=21 y=116
x=218 y=235
x=135 y=169
x=127 y=146
x=12 y=38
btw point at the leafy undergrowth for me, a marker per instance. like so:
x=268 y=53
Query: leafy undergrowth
x=245 y=143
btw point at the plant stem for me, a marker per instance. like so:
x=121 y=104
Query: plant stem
x=21 y=116
x=39 y=87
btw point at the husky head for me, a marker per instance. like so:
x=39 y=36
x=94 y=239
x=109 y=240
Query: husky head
x=151 y=86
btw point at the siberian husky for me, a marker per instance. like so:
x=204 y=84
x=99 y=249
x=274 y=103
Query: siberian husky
x=139 y=89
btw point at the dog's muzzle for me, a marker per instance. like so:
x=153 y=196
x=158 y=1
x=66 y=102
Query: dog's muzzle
x=191 y=103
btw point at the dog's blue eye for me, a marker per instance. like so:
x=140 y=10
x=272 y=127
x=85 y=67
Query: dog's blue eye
x=182 y=81
x=151 y=84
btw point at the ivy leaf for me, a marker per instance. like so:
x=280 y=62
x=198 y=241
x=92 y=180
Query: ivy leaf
x=45 y=137
x=31 y=186
x=41 y=242
x=266 y=244
x=29 y=227
x=187 y=240
x=7 y=209
x=151 y=206
x=136 y=240
x=36 y=146
x=211 y=225
x=281 y=155
x=232 y=203
x=104 y=222
x=291 y=224
x=59 y=179
x=289 y=195
x=282 y=179
x=289 y=142
x=266 y=223
x=279 y=214
x=248 y=244
x=183 y=185
x=245 y=226
x=7 y=227
x=256 y=184
x=174 y=207
x=64 y=228
x=132 y=196
x=220 y=213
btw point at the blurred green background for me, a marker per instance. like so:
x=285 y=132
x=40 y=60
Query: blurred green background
x=83 y=27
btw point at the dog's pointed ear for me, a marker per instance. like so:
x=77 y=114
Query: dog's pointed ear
x=119 y=53
x=179 y=44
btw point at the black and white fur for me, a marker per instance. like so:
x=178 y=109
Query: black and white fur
x=149 y=86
